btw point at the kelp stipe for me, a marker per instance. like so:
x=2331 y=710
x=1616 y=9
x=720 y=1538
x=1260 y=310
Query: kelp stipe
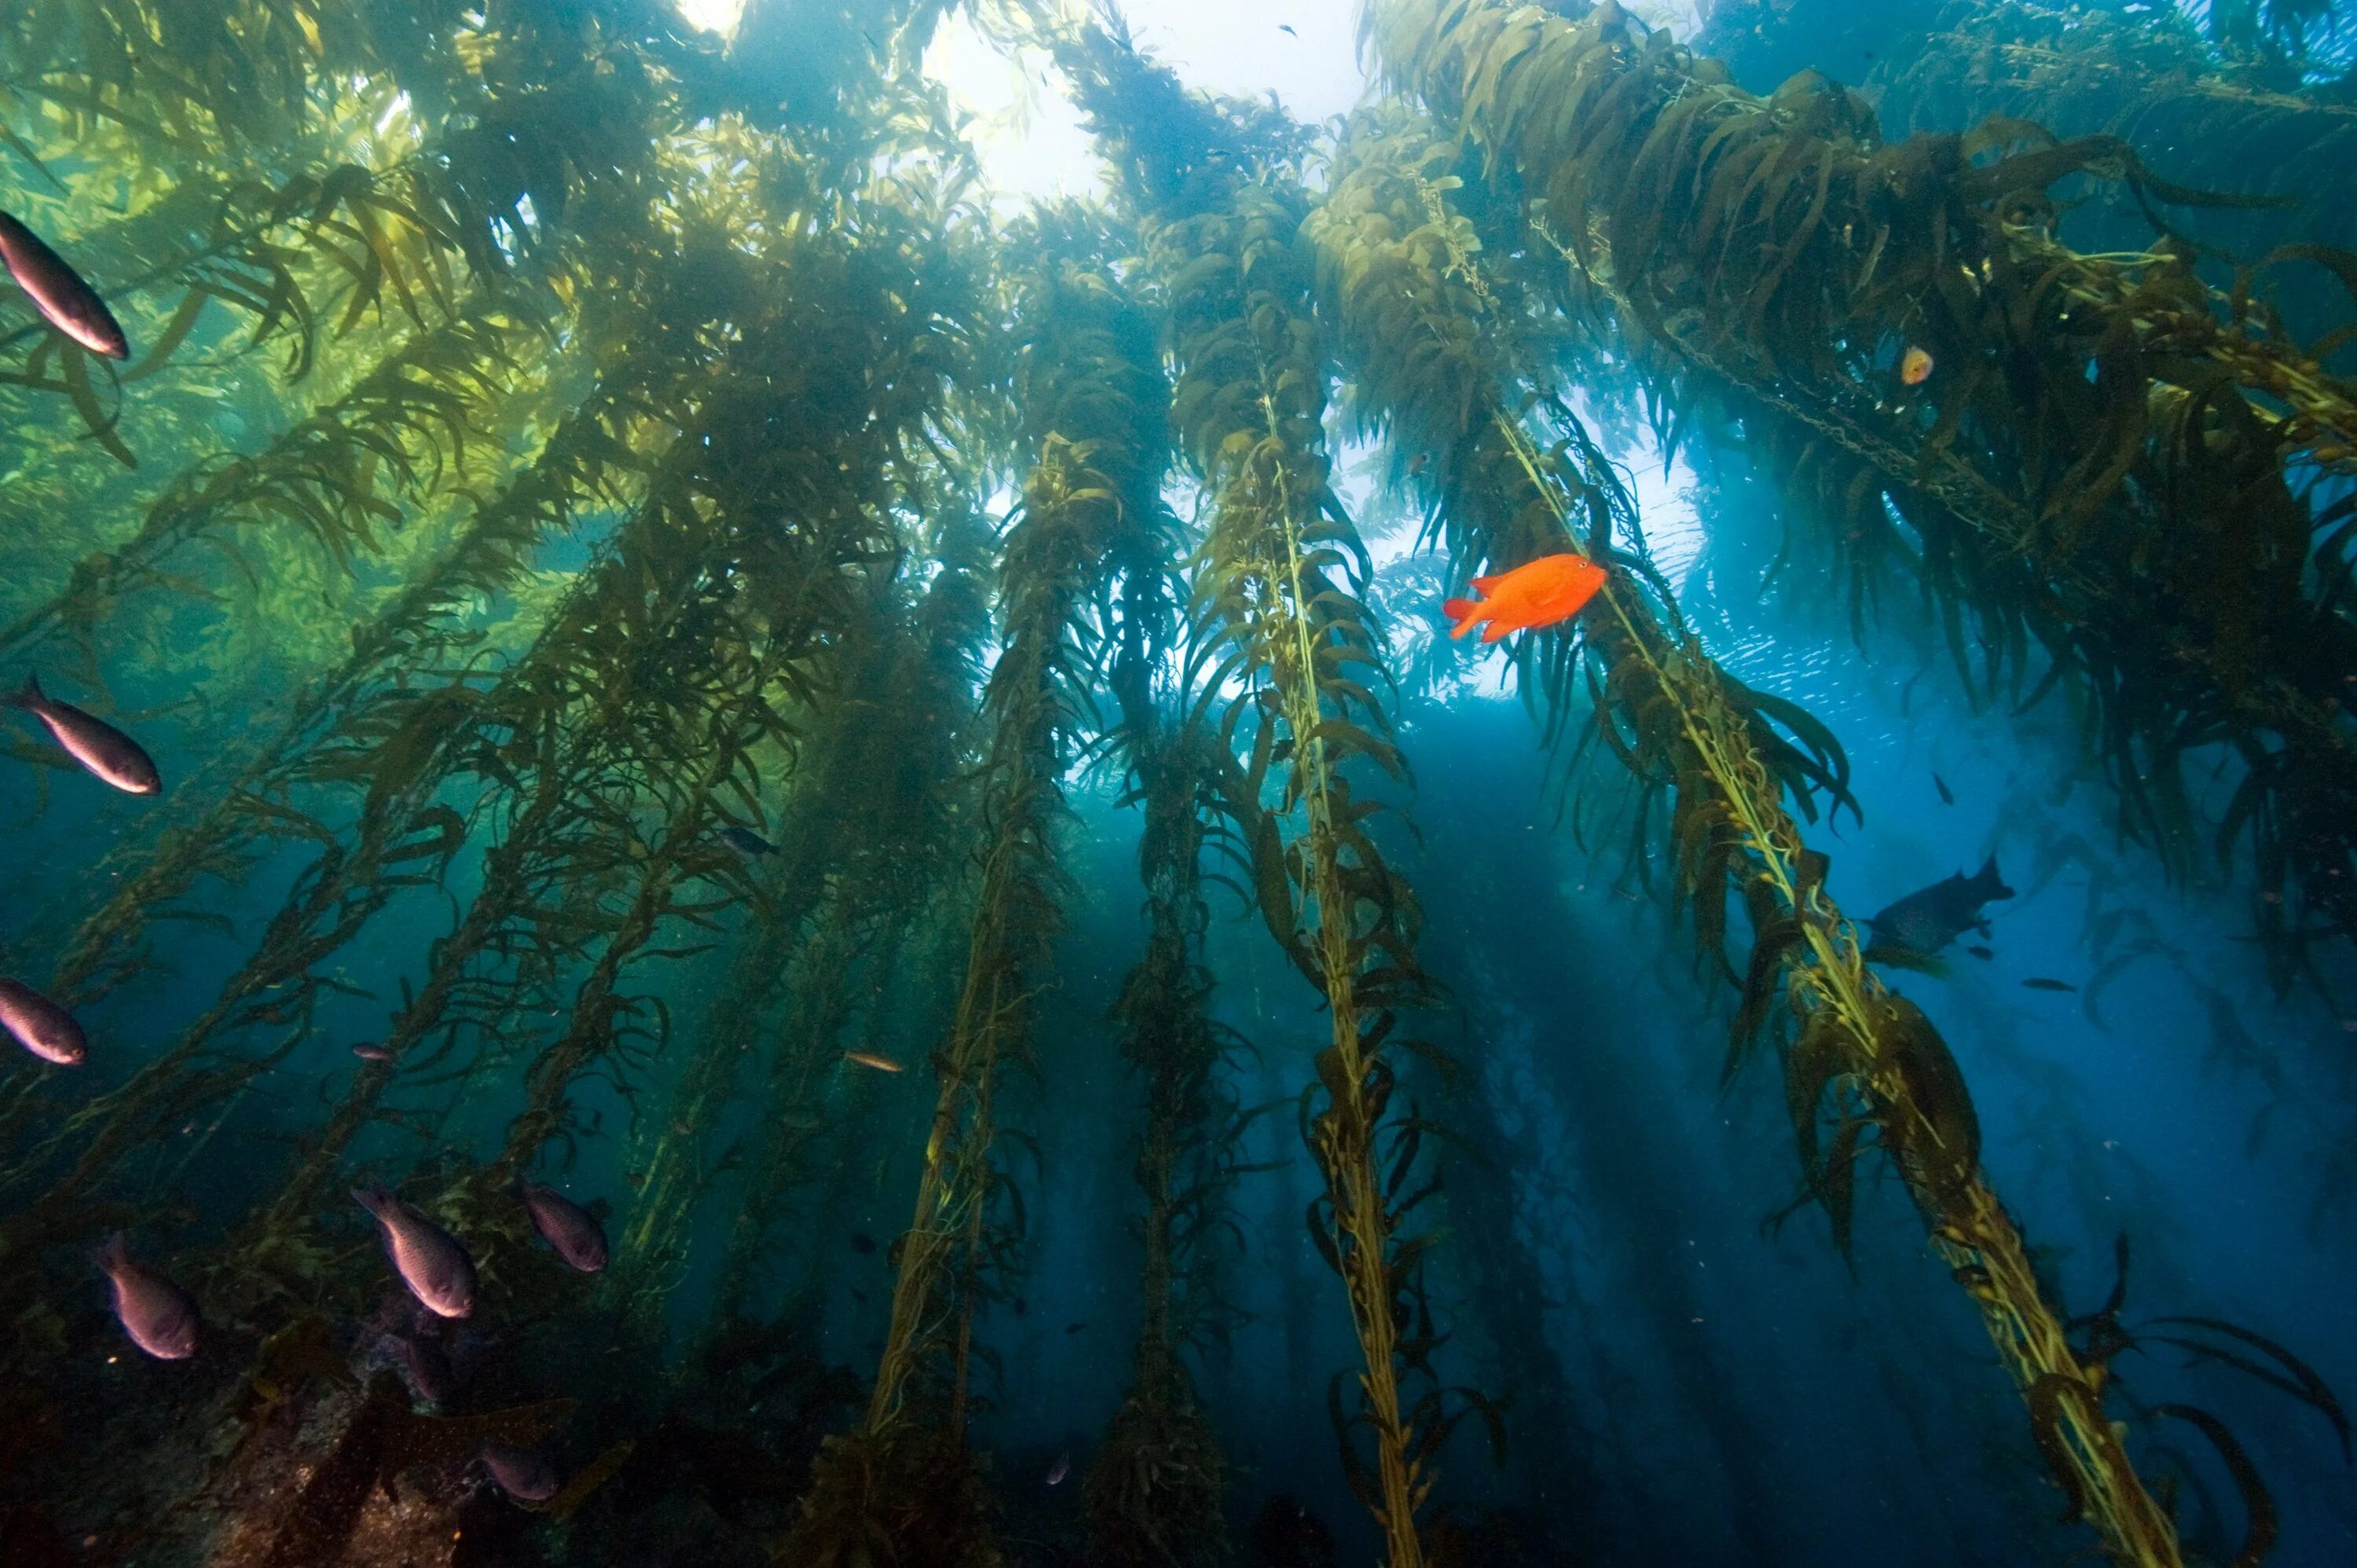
x=1280 y=613
x=1774 y=256
x=1096 y=418
x=1686 y=731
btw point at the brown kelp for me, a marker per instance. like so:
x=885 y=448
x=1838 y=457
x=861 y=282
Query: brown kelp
x=1153 y=1493
x=1402 y=266
x=1279 y=618
x=656 y=587
x=1773 y=256
x=905 y=1472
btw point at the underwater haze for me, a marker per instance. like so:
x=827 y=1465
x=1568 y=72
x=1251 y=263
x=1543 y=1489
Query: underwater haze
x=1023 y=784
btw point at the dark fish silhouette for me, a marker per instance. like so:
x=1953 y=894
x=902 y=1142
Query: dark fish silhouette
x=372 y=1053
x=41 y=1026
x=862 y=1242
x=1281 y=28
x=1074 y=1327
x=57 y=292
x=523 y=1474
x=1021 y=1306
x=2042 y=983
x=428 y=1259
x=1947 y=796
x=1931 y=918
x=1980 y=952
x=564 y=1225
x=160 y=1318
x=745 y=841
x=103 y=750
x=428 y=1365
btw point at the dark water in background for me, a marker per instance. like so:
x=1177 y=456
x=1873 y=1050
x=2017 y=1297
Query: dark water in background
x=1688 y=1380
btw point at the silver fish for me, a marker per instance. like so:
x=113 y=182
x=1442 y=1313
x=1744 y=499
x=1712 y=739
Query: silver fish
x=103 y=750
x=523 y=1474
x=58 y=293
x=564 y=1225
x=372 y=1053
x=160 y=1318
x=41 y=1026
x=428 y=1259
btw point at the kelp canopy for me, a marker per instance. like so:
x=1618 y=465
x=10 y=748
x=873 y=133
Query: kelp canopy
x=896 y=746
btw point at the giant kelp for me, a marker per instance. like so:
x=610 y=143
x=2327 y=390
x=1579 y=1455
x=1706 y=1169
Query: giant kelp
x=606 y=463
x=2105 y=466
x=1692 y=734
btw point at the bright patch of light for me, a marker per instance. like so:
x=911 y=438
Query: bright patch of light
x=712 y=15
x=1243 y=47
x=1023 y=129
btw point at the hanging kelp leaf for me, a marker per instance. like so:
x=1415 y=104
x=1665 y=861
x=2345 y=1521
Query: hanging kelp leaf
x=2286 y=1373
x=2258 y=1504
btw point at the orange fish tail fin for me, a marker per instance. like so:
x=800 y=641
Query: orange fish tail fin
x=1464 y=612
x=1498 y=631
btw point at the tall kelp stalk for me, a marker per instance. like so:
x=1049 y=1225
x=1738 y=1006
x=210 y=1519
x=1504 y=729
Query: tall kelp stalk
x=1434 y=358
x=829 y=812
x=839 y=352
x=1280 y=634
x=872 y=849
x=905 y=1475
x=1154 y=1494
x=1094 y=397
x=2102 y=460
x=1280 y=629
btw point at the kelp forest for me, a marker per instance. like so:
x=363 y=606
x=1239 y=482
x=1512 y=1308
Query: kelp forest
x=731 y=844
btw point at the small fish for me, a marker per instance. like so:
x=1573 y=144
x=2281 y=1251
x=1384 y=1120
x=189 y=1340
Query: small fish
x=103 y=751
x=1538 y=593
x=745 y=841
x=428 y=1365
x=1980 y=952
x=58 y=293
x=1947 y=796
x=564 y=1225
x=368 y=1053
x=428 y=1259
x=2041 y=983
x=859 y=1295
x=869 y=1058
x=1931 y=918
x=41 y=1026
x=1915 y=368
x=1281 y=28
x=1021 y=1306
x=1063 y=1465
x=1415 y=464
x=523 y=1474
x=160 y=1318
x=862 y=1242
x=1074 y=1327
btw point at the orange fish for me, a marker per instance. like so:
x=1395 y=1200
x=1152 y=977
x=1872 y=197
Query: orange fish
x=866 y=1059
x=1916 y=367
x=1538 y=593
